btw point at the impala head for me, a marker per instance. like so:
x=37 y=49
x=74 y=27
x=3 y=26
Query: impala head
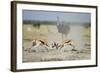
x=55 y=45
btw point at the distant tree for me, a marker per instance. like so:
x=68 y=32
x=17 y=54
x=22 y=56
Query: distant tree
x=86 y=25
x=37 y=24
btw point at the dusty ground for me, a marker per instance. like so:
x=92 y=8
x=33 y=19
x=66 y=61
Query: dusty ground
x=56 y=55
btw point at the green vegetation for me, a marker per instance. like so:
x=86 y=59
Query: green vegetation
x=34 y=22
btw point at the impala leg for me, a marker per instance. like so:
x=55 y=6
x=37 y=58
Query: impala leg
x=73 y=46
x=29 y=50
x=73 y=49
x=60 y=47
x=47 y=48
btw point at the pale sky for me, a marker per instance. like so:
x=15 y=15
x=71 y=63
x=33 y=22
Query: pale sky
x=52 y=16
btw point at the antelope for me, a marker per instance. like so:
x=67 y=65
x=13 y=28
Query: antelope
x=67 y=42
x=36 y=43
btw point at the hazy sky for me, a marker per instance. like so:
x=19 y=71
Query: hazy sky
x=52 y=16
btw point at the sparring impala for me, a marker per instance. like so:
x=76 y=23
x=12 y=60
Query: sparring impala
x=66 y=43
x=36 y=43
